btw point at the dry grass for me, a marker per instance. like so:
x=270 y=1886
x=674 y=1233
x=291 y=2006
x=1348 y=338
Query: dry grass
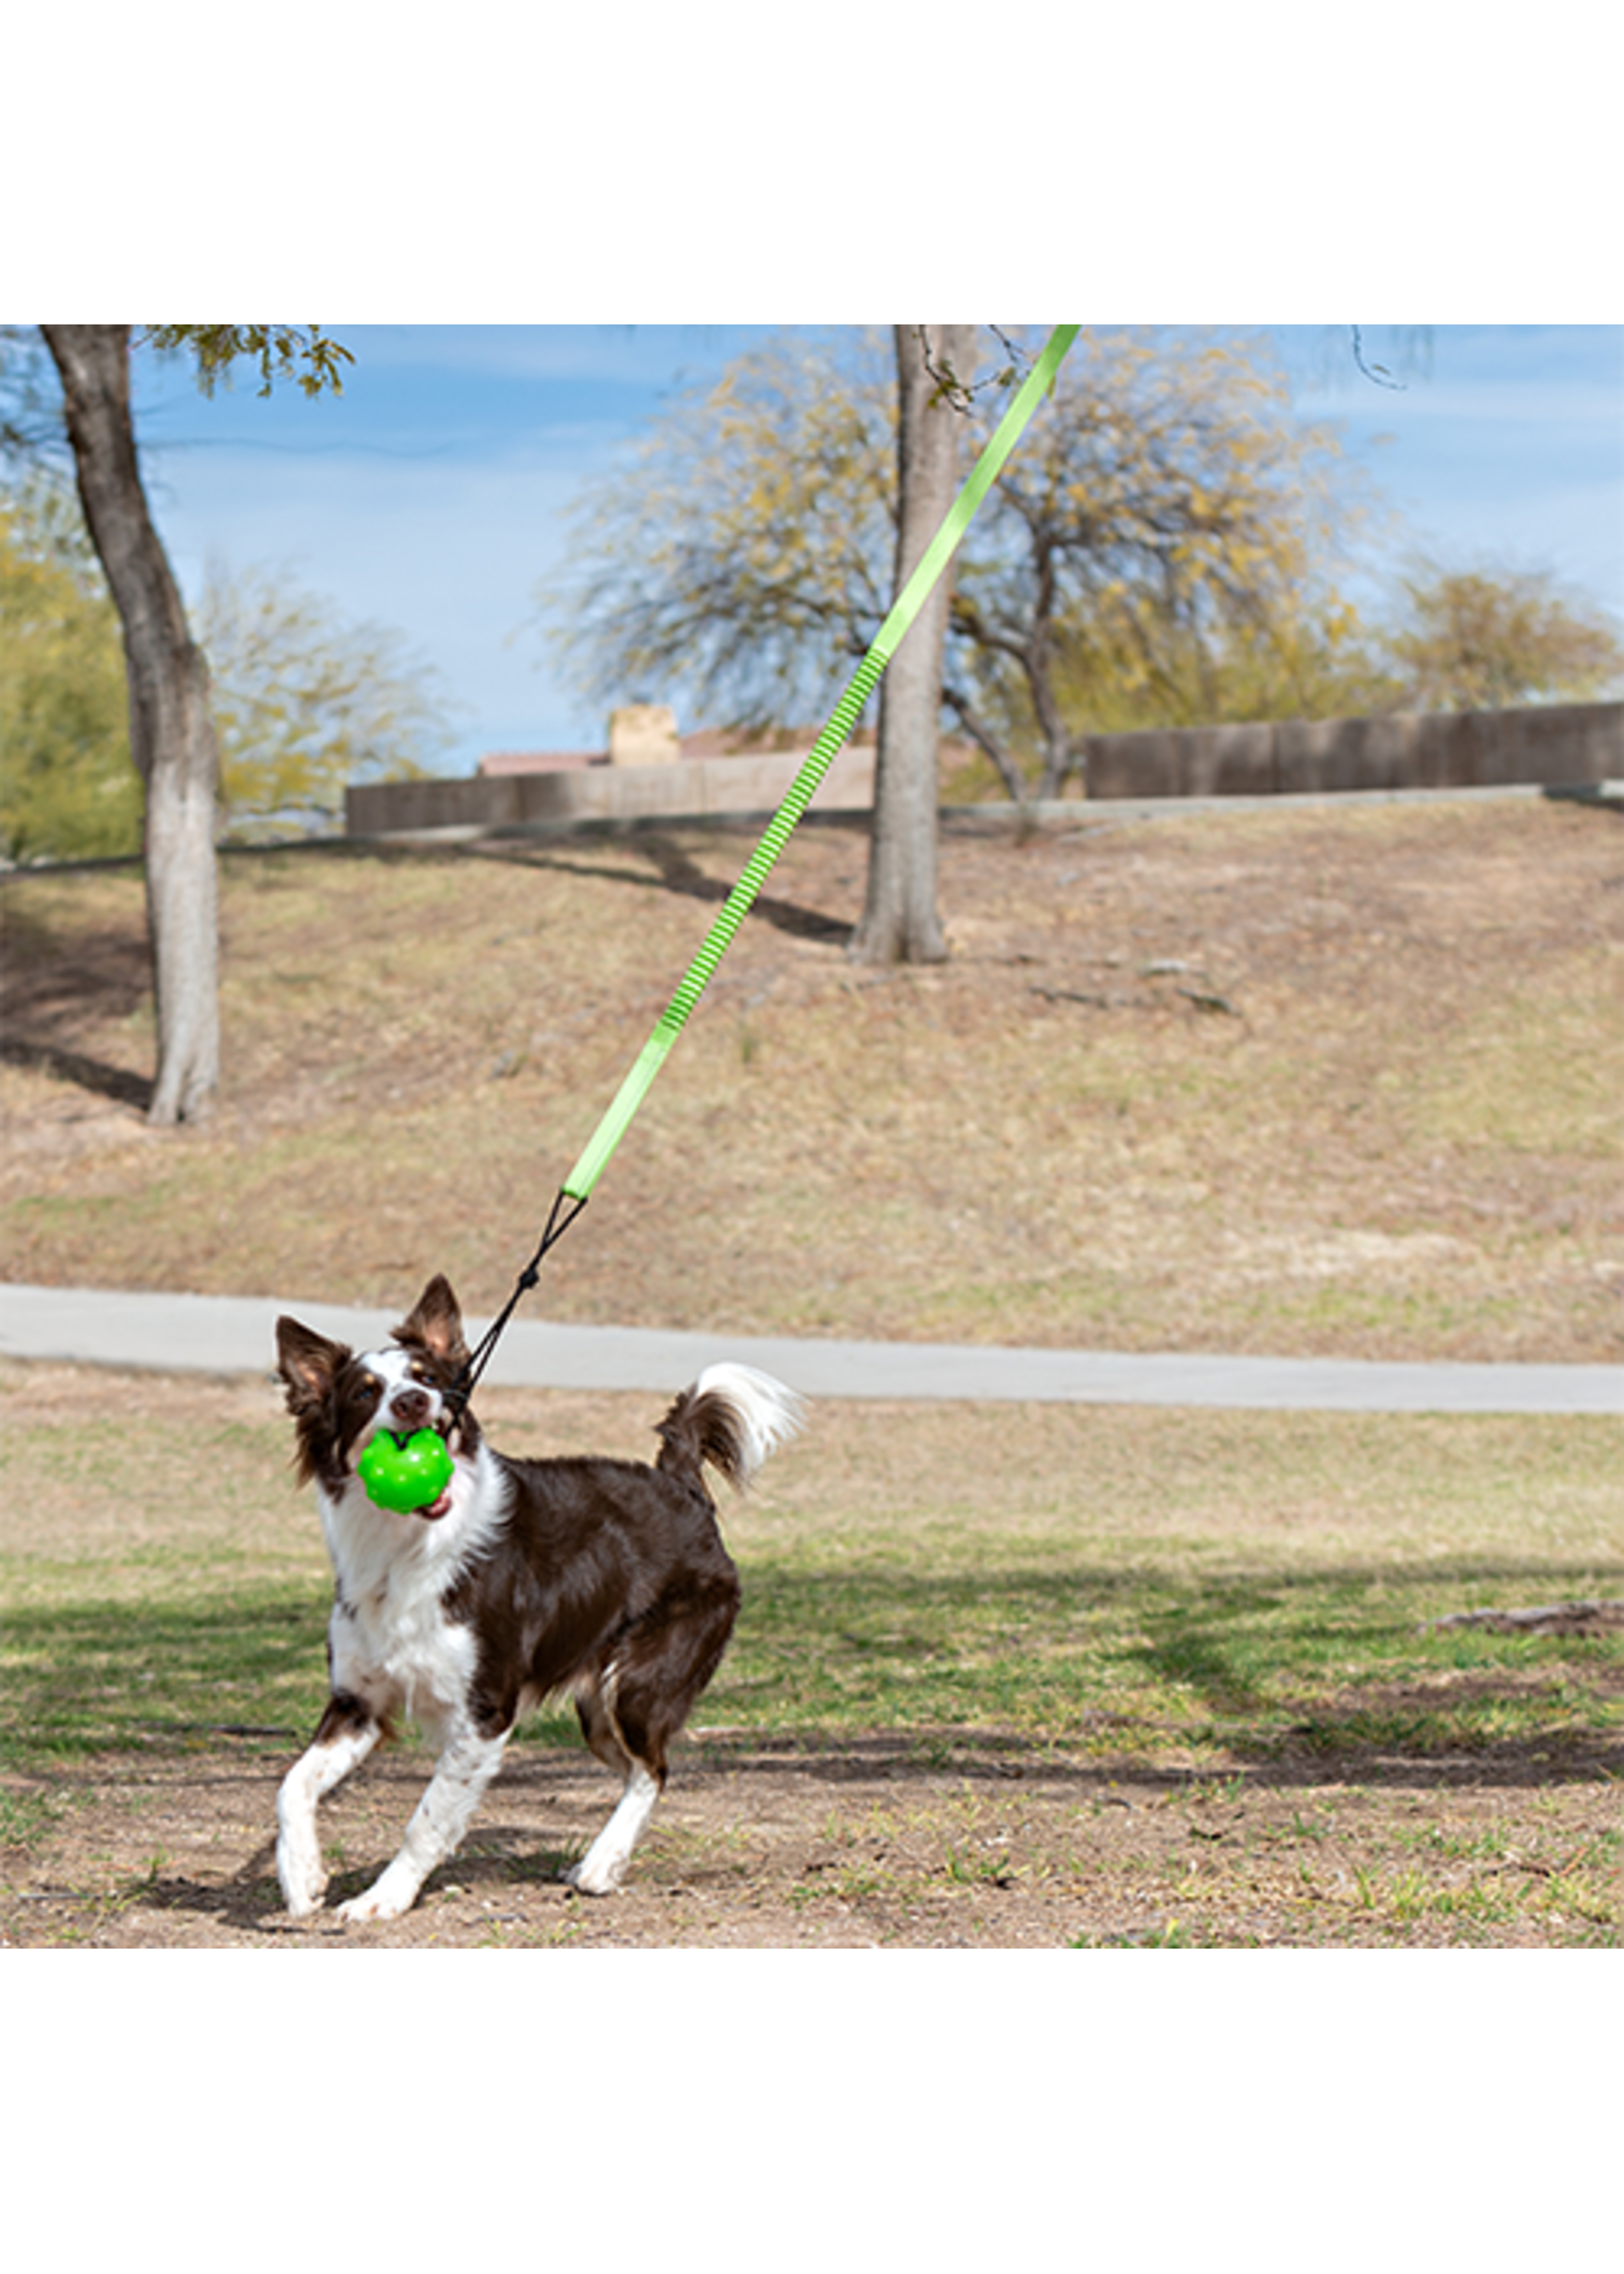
x=1339 y=1080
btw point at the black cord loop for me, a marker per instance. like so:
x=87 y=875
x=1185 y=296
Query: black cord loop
x=558 y=1224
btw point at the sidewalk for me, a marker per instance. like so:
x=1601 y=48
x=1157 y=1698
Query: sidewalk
x=235 y=1334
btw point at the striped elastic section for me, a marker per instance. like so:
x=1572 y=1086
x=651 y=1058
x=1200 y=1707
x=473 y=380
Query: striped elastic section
x=843 y=717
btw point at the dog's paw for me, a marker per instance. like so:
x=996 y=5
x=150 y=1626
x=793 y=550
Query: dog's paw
x=366 y=1909
x=594 y=1880
x=302 y=1882
x=388 y=1898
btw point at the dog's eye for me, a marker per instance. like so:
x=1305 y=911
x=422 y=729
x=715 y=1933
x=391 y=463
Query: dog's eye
x=371 y=1387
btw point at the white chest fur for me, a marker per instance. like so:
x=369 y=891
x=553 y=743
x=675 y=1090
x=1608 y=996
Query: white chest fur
x=392 y=1644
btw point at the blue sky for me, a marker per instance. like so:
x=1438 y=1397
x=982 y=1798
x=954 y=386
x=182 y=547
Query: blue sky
x=430 y=496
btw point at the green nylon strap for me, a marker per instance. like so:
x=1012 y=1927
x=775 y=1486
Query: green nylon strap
x=632 y=1092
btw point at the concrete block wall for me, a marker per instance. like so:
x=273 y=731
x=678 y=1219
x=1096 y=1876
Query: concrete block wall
x=1566 y=745
x=1560 y=745
x=693 y=785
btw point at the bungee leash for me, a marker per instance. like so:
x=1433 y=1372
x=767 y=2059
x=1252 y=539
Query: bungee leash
x=577 y=1187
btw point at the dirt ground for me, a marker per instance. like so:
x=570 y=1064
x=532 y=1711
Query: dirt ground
x=899 y=1842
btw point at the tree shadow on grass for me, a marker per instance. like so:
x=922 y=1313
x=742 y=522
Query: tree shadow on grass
x=1338 y=1676
x=55 y=983
x=93 y=1074
x=674 y=870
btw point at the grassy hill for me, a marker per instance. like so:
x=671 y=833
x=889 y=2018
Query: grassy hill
x=1336 y=1080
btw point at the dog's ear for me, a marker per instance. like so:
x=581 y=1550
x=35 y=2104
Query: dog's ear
x=436 y=1322
x=308 y=1364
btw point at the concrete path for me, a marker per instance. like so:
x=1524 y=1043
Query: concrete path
x=234 y=1334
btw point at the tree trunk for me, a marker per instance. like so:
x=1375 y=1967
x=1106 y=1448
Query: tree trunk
x=171 y=733
x=900 y=925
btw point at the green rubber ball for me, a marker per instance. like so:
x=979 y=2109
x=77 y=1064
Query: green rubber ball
x=403 y=1474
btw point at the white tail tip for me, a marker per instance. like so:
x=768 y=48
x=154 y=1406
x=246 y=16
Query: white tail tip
x=769 y=1412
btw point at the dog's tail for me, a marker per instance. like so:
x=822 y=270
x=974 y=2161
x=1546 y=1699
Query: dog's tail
x=732 y=1416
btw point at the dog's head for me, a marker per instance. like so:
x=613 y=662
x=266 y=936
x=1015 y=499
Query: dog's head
x=340 y=1398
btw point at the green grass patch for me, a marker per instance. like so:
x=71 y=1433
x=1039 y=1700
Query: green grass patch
x=1200 y=1589
x=1158 y=1679
x=1178 y=1653
x=91 y=1677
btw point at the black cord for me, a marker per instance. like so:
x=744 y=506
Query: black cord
x=558 y=1224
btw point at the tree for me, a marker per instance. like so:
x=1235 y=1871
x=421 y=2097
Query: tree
x=171 y=733
x=1477 y=640
x=900 y=922
x=172 y=739
x=1160 y=543
x=1159 y=550
x=750 y=548
x=67 y=789
x=741 y=554
x=304 y=702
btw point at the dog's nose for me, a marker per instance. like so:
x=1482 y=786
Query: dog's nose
x=410 y=1408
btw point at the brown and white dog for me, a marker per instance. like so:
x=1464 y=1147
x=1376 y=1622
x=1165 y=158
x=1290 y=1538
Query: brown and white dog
x=607 y=1578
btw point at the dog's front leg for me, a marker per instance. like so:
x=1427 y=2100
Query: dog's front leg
x=465 y=1768
x=603 y=1866
x=346 y=1734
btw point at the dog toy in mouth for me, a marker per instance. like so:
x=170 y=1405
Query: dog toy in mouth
x=405 y=1474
